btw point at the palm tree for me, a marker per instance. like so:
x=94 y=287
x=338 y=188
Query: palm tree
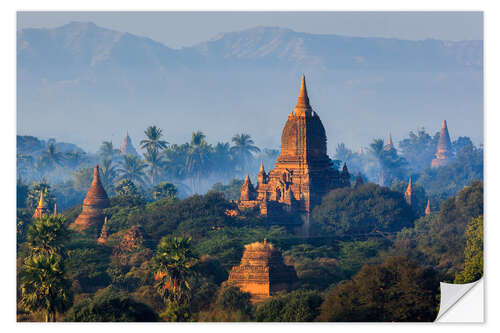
x=173 y=266
x=44 y=286
x=51 y=156
x=153 y=141
x=343 y=153
x=75 y=158
x=108 y=173
x=107 y=151
x=48 y=234
x=155 y=160
x=197 y=159
x=132 y=168
x=243 y=150
x=222 y=162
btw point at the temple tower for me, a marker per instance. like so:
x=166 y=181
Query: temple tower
x=262 y=272
x=93 y=205
x=262 y=176
x=345 y=177
x=41 y=209
x=444 y=153
x=127 y=147
x=359 y=180
x=104 y=232
x=409 y=193
x=303 y=173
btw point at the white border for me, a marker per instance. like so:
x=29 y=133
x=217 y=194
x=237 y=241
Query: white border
x=8 y=123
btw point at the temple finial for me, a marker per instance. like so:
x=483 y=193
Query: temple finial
x=428 y=207
x=261 y=169
x=303 y=99
x=96 y=172
x=55 y=209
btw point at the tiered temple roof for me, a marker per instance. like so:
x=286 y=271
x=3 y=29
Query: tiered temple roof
x=262 y=272
x=93 y=205
x=303 y=173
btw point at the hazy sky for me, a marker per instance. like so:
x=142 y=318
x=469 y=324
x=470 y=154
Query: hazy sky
x=178 y=29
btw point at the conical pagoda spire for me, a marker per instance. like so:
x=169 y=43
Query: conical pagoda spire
x=127 y=146
x=389 y=143
x=95 y=201
x=55 y=209
x=443 y=151
x=303 y=99
x=262 y=176
x=409 y=192
x=261 y=169
x=41 y=209
x=428 y=207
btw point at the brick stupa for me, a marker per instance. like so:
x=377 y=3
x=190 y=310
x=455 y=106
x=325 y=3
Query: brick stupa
x=444 y=153
x=262 y=272
x=303 y=173
x=93 y=205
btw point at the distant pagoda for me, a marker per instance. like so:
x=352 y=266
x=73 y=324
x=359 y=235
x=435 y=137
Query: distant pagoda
x=262 y=272
x=389 y=143
x=409 y=193
x=444 y=153
x=93 y=205
x=428 y=207
x=127 y=147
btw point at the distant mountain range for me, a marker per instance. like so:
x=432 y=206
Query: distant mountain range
x=84 y=84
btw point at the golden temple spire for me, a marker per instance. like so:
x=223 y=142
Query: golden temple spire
x=428 y=207
x=389 y=143
x=55 y=209
x=409 y=192
x=303 y=99
x=261 y=169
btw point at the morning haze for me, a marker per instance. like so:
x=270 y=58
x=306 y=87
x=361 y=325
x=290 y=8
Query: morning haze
x=92 y=80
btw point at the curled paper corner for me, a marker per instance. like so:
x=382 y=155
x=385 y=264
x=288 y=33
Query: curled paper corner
x=461 y=302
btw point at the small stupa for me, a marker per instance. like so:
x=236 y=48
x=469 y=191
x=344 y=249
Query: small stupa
x=262 y=272
x=127 y=146
x=41 y=209
x=247 y=190
x=428 y=208
x=409 y=192
x=389 y=143
x=104 y=232
x=444 y=153
x=93 y=205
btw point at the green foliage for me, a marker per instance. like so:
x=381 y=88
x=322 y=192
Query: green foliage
x=44 y=286
x=48 y=234
x=366 y=209
x=231 y=304
x=110 y=305
x=34 y=196
x=164 y=190
x=298 y=306
x=449 y=179
x=230 y=191
x=441 y=237
x=397 y=290
x=473 y=269
x=173 y=265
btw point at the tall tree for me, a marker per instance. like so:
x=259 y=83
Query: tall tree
x=132 y=168
x=243 y=149
x=51 y=157
x=473 y=269
x=173 y=266
x=107 y=151
x=197 y=159
x=153 y=139
x=44 y=286
x=155 y=160
x=108 y=174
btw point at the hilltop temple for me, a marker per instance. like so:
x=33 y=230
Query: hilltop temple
x=93 y=205
x=127 y=147
x=303 y=173
x=444 y=154
x=262 y=272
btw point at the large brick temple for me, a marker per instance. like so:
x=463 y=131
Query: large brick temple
x=444 y=153
x=262 y=272
x=303 y=173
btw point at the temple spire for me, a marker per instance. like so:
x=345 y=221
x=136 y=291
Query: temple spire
x=41 y=208
x=261 y=169
x=409 y=192
x=55 y=209
x=303 y=99
x=389 y=143
x=428 y=207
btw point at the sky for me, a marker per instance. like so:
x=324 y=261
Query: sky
x=176 y=29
